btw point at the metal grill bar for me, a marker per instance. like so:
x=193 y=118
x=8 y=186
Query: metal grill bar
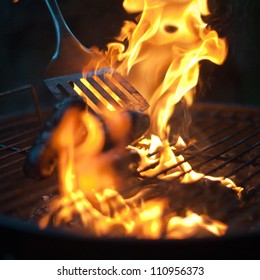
x=208 y=148
x=203 y=129
x=250 y=177
x=27 y=89
x=234 y=158
x=14 y=162
x=209 y=136
x=204 y=149
x=227 y=149
x=12 y=137
x=17 y=133
x=223 y=139
x=15 y=151
x=242 y=166
x=8 y=174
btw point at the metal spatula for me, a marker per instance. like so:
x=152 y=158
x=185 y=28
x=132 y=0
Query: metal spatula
x=104 y=88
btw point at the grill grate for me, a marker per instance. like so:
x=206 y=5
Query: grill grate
x=17 y=133
x=227 y=144
x=231 y=147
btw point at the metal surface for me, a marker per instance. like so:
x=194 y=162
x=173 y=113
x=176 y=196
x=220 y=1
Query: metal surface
x=17 y=133
x=104 y=88
x=229 y=147
x=227 y=143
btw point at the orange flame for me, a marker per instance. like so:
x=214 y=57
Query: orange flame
x=162 y=62
x=180 y=228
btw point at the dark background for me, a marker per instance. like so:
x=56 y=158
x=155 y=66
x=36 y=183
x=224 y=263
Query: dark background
x=28 y=42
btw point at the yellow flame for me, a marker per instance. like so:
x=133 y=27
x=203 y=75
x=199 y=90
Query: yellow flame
x=162 y=62
x=180 y=228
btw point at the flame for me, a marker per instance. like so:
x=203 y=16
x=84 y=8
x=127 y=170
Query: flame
x=161 y=60
x=88 y=188
x=180 y=228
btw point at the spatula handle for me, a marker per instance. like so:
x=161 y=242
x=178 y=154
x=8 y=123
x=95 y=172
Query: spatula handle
x=61 y=27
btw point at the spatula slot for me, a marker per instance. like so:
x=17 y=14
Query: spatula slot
x=92 y=106
x=64 y=91
x=101 y=95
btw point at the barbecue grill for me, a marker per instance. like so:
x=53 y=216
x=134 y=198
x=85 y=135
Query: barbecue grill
x=227 y=144
x=223 y=140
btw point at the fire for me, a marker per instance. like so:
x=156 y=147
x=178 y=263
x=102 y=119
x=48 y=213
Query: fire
x=162 y=61
x=180 y=228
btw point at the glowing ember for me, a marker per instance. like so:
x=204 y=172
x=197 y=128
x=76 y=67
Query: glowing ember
x=162 y=62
